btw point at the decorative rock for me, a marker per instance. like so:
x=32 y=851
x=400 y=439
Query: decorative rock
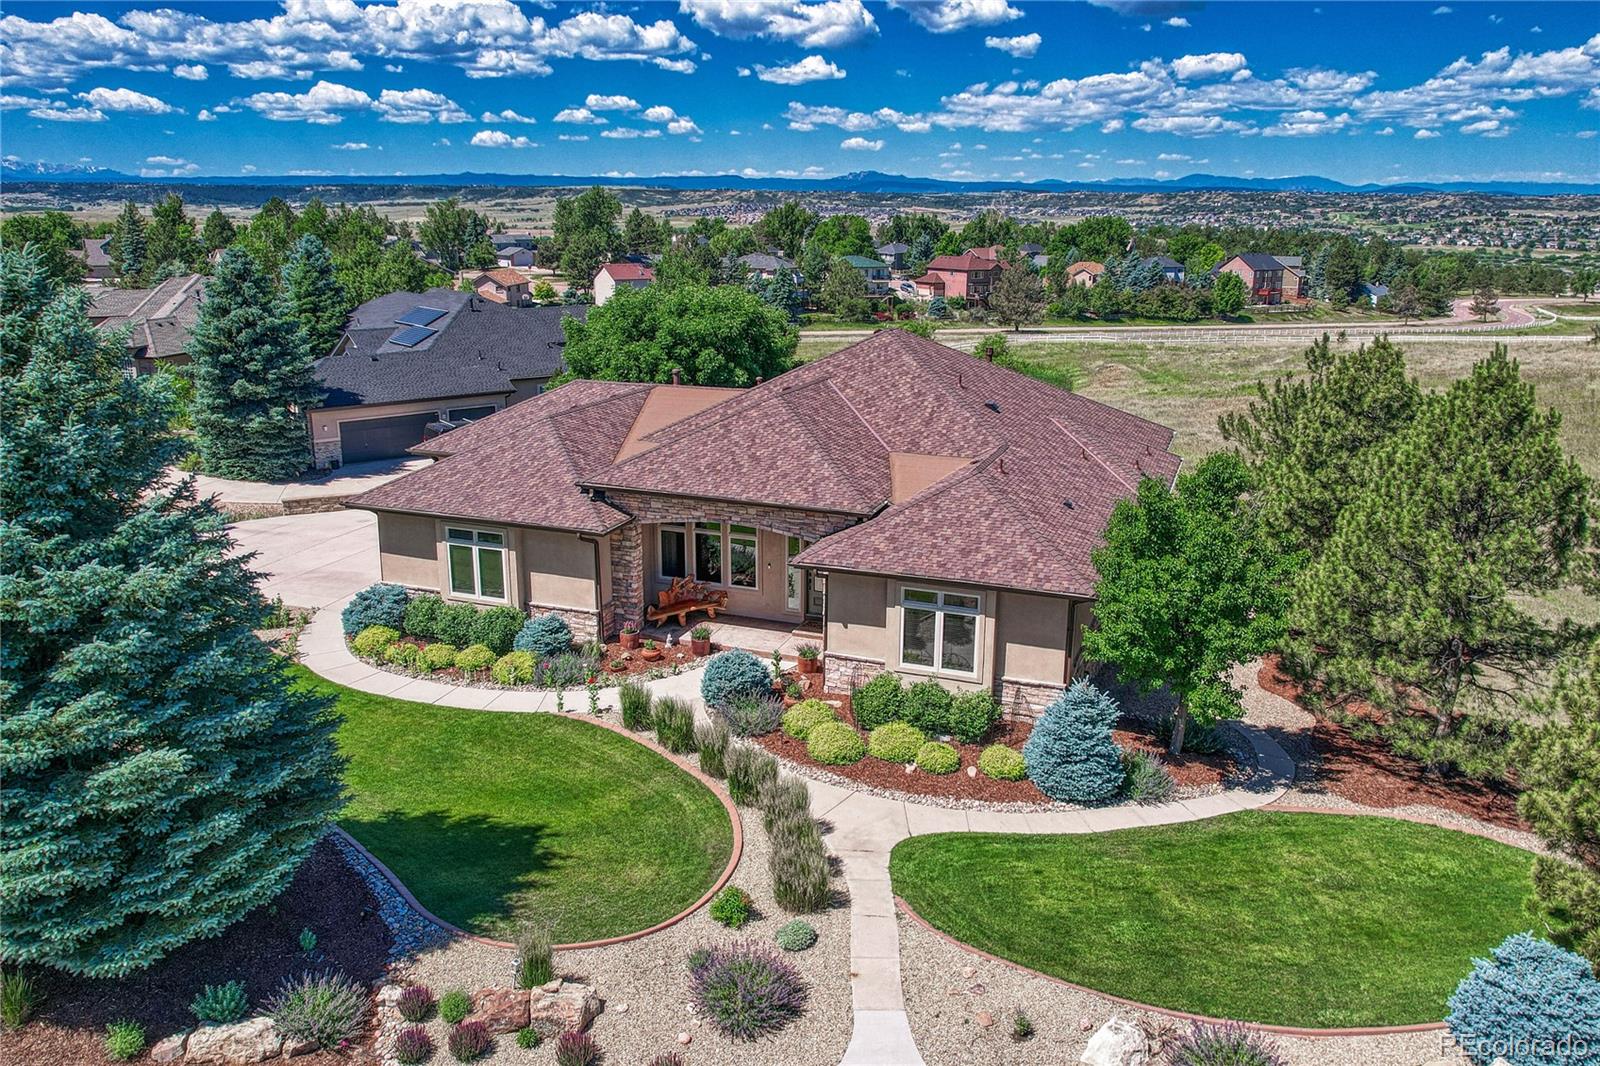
x=389 y=995
x=620 y=1008
x=571 y=1008
x=984 y=1019
x=969 y=971
x=972 y=771
x=551 y=986
x=170 y=1049
x=255 y=1040
x=501 y=1010
x=1084 y=1024
x=293 y=1049
x=684 y=1038
x=911 y=767
x=1117 y=1043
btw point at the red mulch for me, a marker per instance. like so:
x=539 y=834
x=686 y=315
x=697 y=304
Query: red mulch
x=1367 y=772
x=262 y=950
x=634 y=661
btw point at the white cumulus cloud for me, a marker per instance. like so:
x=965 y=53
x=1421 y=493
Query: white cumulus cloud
x=1208 y=65
x=1025 y=46
x=947 y=16
x=191 y=71
x=860 y=144
x=811 y=68
x=499 y=139
x=826 y=24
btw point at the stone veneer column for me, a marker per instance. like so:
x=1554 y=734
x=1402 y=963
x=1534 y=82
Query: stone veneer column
x=627 y=577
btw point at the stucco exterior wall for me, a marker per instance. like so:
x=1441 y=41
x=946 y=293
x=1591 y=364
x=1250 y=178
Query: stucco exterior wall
x=408 y=550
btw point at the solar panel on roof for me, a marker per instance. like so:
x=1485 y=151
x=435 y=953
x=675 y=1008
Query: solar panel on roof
x=412 y=336
x=420 y=316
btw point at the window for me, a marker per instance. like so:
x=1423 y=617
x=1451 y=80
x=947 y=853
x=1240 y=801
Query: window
x=939 y=630
x=672 y=561
x=708 y=552
x=477 y=563
x=742 y=556
x=471 y=414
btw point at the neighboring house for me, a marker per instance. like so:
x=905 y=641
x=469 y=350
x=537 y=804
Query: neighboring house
x=765 y=265
x=1031 y=250
x=968 y=275
x=1295 y=286
x=875 y=271
x=1374 y=293
x=933 y=513
x=1172 y=271
x=158 y=319
x=408 y=360
x=1085 y=272
x=1262 y=275
x=502 y=285
x=1039 y=260
x=613 y=276
x=513 y=255
x=96 y=256
x=894 y=253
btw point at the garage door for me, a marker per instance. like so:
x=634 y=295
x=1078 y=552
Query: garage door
x=381 y=438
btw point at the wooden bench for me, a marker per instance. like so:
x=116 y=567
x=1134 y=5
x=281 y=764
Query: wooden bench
x=683 y=598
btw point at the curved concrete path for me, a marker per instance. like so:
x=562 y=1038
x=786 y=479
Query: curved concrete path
x=860 y=827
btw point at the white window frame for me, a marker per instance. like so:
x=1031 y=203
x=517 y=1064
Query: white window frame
x=941 y=609
x=477 y=547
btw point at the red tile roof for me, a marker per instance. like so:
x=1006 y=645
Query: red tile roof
x=503 y=276
x=628 y=272
x=1086 y=264
x=965 y=261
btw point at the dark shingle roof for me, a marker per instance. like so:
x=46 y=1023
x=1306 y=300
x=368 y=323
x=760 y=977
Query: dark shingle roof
x=160 y=317
x=1259 y=261
x=477 y=347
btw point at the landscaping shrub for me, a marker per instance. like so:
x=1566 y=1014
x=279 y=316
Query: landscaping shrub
x=19 y=998
x=547 y=636
x=496 y=628
x=1227 y=1044
x=927 y=706
x=469 y=1041
x=878 y=701
x=1070 y=753
x=402 y=654
x=732 y=674
x=712 y=740
x=527 y=1037
x=513 y=668
x=1521 y=1000
x=731 y=907
x=1147 y=779
x=372 y=641
x=567 y=671
x=972 y=715
x=478 y=657
x=782 y=799
x=221 y=1004
x=746 y=990
x=742 y=763
x=753 y=714
x=796 y=935
x=895 y=742
x=674 y=720
x=454 y=1005
x=412 y=1045
x=1002 y=763
x=1198 y=739
x=635 y=700
x=576 y=1049
x=799 y=719
x=535 y=955
x=308 y=940
x=936 y=757
x=124 y=1040
x=415 y=1003
x=422 y=616
x=326 y=1009
x=376 y=605
x=454 y=624
x=835 y=744
x=799 y=866
x=437 y=657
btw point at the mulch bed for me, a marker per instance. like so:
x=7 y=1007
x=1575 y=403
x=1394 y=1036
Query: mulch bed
x=633 y=662
x=1367 y=772
x=262 y=950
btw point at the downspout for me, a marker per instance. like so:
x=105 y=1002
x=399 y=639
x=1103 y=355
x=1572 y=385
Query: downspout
x=599 y=593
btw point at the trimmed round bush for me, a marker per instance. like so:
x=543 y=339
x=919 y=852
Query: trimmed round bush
x=371 y=641
x=936 y=757
x=454 y=625
x=513 y=668
x=927 y=707
x=835 y=744
x=1070 y=754
x=422 y=616
x=972 y=715
x=402 y=654
x=376 y=605
x=746 y=990
x=496 y=628
x=412 y=1045
x=878 y=701
x=326 y=1009
x=437 y=657
x=895 y=742
x=731 y=907
x=546 y=636
x=732 y=674
x=476 y=657
x=1002 y=763
x=1528 y=992
x=454 y=1005
x=796 y=935
x=806 y=715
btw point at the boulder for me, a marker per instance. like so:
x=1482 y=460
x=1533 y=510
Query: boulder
x=253 y=1040
x=1117 y=1043
x=170 y=1049
x=502 y=1010
x=569 y=1009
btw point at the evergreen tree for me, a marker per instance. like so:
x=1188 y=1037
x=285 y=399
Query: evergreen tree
x=938 y=309
x=314 y=296
x=253 y=377
x=1407 y=303
x=1484 y=304
x=780 y=292
x=1341 y=273
x=1018 y=298
x=171 y=248
x=921 y=252
x=640 y=234
x=127 y=247
x=1070 y=754
x=218 y=232
x=162 y=775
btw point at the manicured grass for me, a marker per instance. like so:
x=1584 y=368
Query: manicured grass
x=1293 y=919
x=489 y=818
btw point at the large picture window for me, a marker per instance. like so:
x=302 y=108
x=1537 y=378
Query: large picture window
x=713 y=553
x=673 y=563
x=708 y=552
x=477 y=563
x=939 y=631
x=742 y=556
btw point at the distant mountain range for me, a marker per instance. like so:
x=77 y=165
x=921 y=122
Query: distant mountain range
x=862 y=181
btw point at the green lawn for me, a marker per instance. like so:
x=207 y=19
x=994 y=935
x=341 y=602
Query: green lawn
x=1289 y=919
x=491 y=817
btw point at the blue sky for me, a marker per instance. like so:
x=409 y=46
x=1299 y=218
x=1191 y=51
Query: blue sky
x=952 y=88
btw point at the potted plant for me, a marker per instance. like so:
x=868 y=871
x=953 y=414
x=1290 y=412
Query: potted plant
x=700 y=640
x=650 y=653
x=630 y=636
x=619 y=666
x=810 y=660
x=777 y=671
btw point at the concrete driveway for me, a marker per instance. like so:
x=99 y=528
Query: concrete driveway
x=312 y=560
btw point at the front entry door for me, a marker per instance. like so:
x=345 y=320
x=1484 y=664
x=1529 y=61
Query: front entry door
x=806 y=591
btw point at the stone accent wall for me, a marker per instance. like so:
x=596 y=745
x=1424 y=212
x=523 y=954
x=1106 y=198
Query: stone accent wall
x=324 y=453
x=585 y=624
x=627 y=577
x=844 y=673
x=1025 y=701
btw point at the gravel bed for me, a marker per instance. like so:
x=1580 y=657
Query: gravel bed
x=645 y=983
x=945 y=988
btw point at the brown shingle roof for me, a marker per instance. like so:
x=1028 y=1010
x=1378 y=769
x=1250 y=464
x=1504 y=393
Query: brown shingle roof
x=503 y=276
x=965 y=261
x=628 y=272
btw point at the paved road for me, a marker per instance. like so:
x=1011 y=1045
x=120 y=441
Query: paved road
x=312 y=560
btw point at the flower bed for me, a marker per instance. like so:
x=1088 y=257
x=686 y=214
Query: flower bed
x=602 y=669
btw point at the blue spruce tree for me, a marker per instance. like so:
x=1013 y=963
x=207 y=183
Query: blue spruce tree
x=1070 y=753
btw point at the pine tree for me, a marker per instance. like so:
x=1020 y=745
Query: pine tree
x=1484 y=304
x=127 y=246
x=162 y=776
x=780 y=291
x=1018 y=298
x=1407 y=303
x=315 y=298
x=253 y=377
x=170 y=245
x=1070 y=753
x=218 y=231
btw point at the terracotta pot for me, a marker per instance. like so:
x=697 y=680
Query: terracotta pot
x=618 y=667
x=629 y=640
x=650 y=655
x=808 y=666
x=700 y=647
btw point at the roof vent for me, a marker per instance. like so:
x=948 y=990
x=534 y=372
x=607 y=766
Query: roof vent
x=993 y=406
x=1067 y=504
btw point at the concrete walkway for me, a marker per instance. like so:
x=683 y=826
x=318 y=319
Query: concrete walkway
x=861 y=828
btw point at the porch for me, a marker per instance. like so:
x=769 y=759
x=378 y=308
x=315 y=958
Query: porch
x=761 y=636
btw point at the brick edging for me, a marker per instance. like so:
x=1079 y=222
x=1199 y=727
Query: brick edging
x=735 y=853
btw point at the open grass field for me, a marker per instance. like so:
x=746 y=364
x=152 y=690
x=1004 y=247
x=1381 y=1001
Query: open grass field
x=494 y=818
x=1322 y=921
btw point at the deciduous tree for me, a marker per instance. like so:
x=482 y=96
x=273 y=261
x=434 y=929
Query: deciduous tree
x=1018 y=298
x=787 y=227
x=843 y=235
x=54 y=236
x=451 y=231
x=1227 y=294
x=585 y=234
